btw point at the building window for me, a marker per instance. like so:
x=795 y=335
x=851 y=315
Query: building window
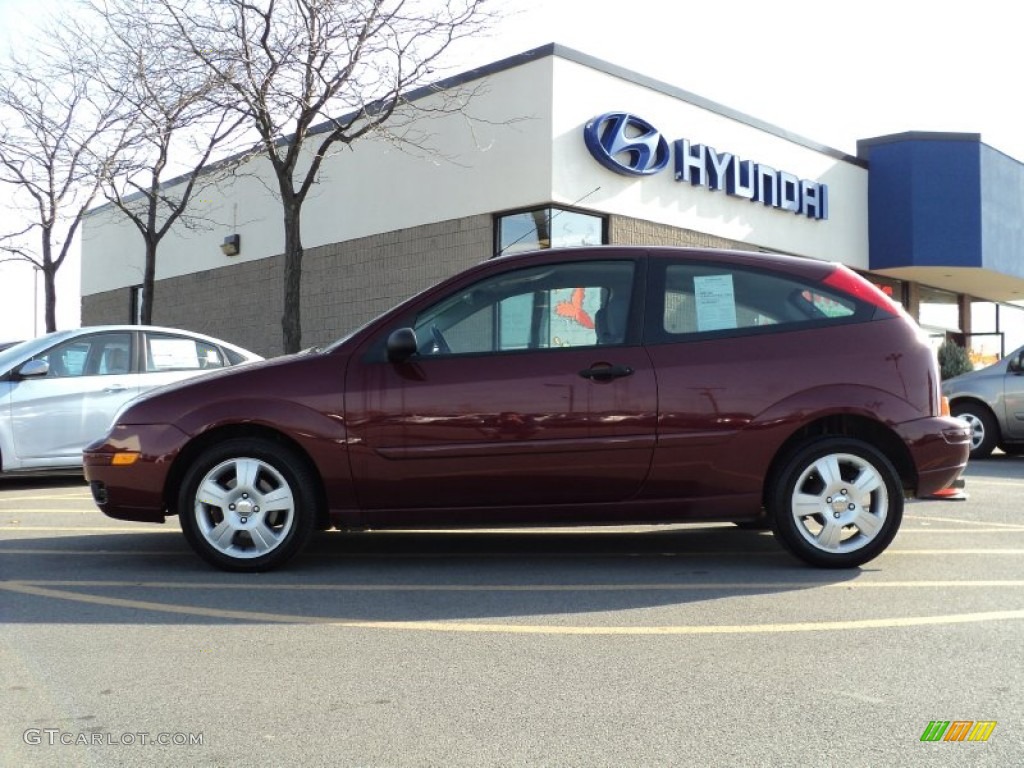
x=548 y=228
x=985 y=342
x=890 y=287
x=1011 y=325
x=939 y=310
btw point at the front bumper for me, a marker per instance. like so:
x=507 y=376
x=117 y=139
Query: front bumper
x=133 y=491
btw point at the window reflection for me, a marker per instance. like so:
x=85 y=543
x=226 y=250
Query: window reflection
x=548 y=228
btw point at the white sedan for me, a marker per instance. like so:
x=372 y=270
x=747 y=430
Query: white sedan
x=61 y=391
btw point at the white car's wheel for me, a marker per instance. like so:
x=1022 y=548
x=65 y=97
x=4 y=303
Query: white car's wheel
x=837 y=503
x=247 y=505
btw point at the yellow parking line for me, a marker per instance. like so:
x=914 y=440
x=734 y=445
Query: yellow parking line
x=535 y=629
x=384 y=555
x=65 y=511
x=83 y=495
x=15 y=528
x=892 y=551
x=1010 y=526
x=654 y=586
x=962 y=531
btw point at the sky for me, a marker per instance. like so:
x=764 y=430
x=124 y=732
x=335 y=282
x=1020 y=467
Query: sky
x=832 y=71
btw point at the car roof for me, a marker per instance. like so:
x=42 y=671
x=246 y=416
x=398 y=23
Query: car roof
x=799 y=265
x=12 y=355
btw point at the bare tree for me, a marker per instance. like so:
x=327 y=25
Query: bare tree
x=176 y=115
x=59 y=132
x=313 y=74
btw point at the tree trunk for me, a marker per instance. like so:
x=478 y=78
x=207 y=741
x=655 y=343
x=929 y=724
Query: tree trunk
x=148 y=283
x=291 y=320
x=49 y=271
x=50 y=291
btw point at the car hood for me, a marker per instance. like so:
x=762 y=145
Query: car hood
x=279 y=377
x=966 y=379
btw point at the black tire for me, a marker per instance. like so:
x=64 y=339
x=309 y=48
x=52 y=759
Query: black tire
x=984 y=429
x=819 y=513
x=248 y=504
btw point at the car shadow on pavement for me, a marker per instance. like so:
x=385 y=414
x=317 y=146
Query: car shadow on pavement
x=410 y=576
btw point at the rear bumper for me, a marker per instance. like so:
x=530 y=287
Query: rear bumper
x=939 y=447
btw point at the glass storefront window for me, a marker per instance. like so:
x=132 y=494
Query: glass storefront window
x=939 y=309
x=1011 y=323
x=548 y=228
x=890 y=287
x=984 y=343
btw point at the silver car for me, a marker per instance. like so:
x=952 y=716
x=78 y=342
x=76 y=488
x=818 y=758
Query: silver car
x=991 y=400
x=61 y=391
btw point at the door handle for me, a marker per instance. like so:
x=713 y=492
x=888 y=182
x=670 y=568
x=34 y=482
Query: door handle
x=114 y=388
x=606 y=372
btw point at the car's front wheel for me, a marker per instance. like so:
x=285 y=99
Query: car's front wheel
x=837 y=503
x=247 y=504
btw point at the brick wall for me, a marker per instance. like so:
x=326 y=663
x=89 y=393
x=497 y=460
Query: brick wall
x=626 y=231
x=343 y=286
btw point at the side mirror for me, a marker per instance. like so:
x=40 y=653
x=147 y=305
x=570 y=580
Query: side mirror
x=33 y=369
x=402 y=345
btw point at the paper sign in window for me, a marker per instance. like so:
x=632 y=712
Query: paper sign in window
x=173 y=354
x=716 y=302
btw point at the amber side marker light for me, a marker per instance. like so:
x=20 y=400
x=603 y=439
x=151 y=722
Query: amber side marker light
x=944 y=406
x=123 y=459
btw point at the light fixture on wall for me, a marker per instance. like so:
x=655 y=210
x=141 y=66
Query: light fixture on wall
x=232 y=245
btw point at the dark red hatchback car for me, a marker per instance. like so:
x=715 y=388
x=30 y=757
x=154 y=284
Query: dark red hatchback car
x=582 y=386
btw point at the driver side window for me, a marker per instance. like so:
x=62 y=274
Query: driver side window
x=101 y=354
x=576 y=304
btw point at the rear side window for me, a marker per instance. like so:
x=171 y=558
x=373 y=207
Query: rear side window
x=723 y=299
x=180 y=353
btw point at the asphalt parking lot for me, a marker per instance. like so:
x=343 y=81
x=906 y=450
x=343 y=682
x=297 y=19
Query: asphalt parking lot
x=702 y=645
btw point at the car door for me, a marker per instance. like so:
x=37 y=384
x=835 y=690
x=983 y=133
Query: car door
x=53 y=417
x=527 y=387
x=1013 y=397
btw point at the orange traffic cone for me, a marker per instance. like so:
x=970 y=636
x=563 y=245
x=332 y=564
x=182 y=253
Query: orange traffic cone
x=955 y=492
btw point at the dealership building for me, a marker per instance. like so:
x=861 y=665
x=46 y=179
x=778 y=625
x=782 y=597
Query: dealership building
x=561 y=149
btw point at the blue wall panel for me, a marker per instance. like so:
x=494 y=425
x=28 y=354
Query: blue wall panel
x=1002 y=212
x=925 y=200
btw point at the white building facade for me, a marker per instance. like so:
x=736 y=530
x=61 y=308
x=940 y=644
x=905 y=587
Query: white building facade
x=556 y=149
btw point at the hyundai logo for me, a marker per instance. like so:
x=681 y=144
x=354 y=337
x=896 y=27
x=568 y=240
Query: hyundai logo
x=626 y=144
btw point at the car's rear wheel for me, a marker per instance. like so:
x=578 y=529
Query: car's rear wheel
x=247 y=505
x=984 y=430
x=837 y=503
